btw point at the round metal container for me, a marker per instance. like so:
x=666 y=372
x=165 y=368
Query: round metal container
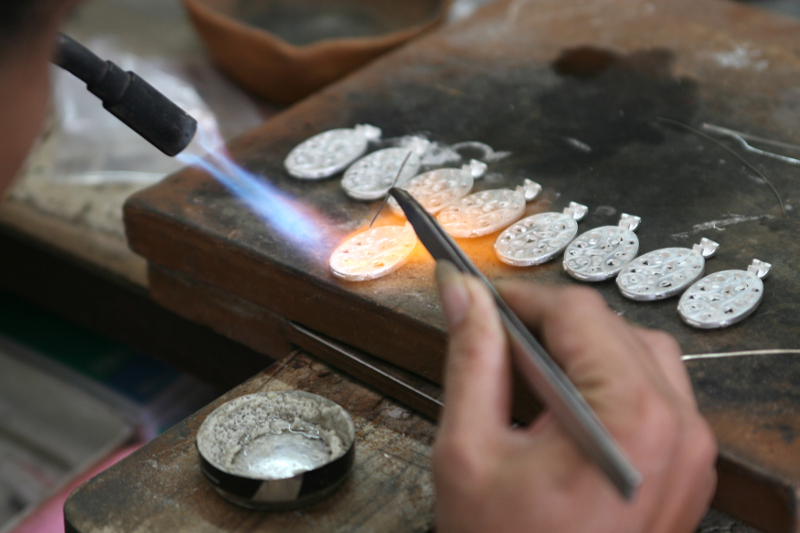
x=276 y=450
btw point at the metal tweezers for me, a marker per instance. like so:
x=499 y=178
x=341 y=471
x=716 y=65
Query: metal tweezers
x=542 y=373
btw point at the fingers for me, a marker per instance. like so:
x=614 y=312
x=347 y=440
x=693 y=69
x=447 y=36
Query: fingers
x=691 y=481
x=633 y=378
x=597 y=349
x=594 y=332
x=666 y=354
x=637 y=384
x=477 y=375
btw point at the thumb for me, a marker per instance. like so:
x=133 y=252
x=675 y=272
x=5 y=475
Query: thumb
x=477 y=376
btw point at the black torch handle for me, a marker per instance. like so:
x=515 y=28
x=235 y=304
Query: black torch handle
x=128 y=97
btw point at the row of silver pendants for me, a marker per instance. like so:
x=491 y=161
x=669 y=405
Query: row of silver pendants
x=718 y=300
x=443 y=192
x=715 y=301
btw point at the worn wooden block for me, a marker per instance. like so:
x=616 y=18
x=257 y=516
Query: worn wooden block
x=160 y=488
x=231 y=316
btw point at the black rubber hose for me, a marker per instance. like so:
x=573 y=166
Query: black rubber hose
x=129 y=98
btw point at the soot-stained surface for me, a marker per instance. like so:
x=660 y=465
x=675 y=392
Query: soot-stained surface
x=586 y=127
x=606 y=101
x=584 y=124
x=770 y=380
x=584 y=107
x=556 y=119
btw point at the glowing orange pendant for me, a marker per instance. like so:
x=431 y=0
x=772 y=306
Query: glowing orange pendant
x=373 y=253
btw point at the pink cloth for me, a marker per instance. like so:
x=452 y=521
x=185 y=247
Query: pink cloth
x=49 y=516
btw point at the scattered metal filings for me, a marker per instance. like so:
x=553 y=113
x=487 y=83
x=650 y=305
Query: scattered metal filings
x=373 y=253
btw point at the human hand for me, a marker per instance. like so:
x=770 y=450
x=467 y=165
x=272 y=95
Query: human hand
x=491 y=477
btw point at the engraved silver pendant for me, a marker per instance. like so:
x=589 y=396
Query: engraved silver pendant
x=539 y=238
x=436 y=189
x=666 y=272
x=599 y=254
x=485 y=212
x=724 y=298
x=330 y=152
x=373 y=253
x=372 y=176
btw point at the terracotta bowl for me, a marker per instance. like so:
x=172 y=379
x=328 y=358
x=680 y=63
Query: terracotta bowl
x=284 y=50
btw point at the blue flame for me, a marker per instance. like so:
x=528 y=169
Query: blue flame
x=270 y=204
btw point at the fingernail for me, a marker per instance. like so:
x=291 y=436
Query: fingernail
x=453 y=292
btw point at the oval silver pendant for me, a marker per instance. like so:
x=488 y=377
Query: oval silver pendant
x=373 y=253
x=539 y=238
x=599 y=254
x=664 y=273
x=724 y=298
x=486 y=212
x=370 y=177
x=329 y=152
x=436 y=189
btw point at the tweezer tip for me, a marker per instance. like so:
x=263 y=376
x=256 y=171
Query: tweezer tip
x=629 y=486
x=386 y=199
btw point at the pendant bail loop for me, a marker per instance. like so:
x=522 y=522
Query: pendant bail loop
x=629 y=222
x=476 y=168
x=759 y=268
x=531 y=189
x=706 y=247
x=576 y=211
x=371 y=133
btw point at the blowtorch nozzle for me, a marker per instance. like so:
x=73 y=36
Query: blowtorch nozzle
x=129 y=98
